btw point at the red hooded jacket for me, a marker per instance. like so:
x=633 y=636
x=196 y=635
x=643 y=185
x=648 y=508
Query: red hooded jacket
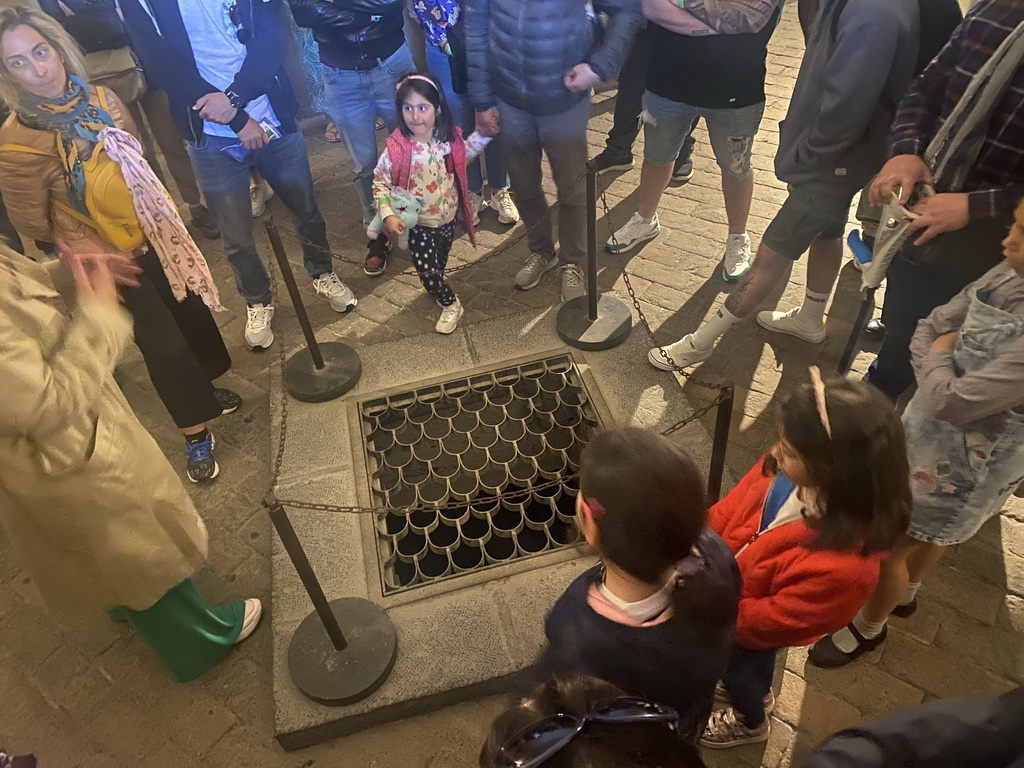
x=792 y=594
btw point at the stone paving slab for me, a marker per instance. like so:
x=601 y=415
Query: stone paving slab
x=81 y=692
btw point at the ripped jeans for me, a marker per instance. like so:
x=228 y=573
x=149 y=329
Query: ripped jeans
x=667 y=124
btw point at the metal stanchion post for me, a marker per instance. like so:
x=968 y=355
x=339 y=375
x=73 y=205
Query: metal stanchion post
x=594 y=321
x=344 y=650
x=320 y=372
x=723 y=421
x=866 y=306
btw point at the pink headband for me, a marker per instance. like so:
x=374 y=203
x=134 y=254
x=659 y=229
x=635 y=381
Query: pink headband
x=415 y=76
x=819 y=397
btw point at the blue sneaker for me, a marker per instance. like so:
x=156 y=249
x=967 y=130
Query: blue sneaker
x=200 y=464
x=862 y=253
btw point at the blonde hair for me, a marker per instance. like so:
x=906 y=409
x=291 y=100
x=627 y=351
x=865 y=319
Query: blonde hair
x=53 y=33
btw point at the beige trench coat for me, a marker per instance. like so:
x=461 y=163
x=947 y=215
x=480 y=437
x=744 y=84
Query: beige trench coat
x=91 y=506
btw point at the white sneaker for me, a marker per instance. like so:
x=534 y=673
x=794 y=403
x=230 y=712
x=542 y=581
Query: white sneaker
x=477 y=204
x=790 y=323
x=502 y=202
x=736 y=259
x=683 y=353
x=635 y=231
x=253 y=612
x=258 y=332
x=450 y=317
x=338 y=294
x=259 y=194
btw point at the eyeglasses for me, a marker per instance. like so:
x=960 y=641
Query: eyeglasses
x=243 y=34
x=545 y=738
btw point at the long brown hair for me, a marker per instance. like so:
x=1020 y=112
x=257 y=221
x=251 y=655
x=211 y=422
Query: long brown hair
x=860 y=472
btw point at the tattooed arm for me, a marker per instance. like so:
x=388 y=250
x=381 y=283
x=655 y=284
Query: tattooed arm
x=732 y=17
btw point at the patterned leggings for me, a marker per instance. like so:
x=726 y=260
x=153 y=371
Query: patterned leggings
x=429 y=247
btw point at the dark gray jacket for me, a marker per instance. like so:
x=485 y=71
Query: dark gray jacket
x=520 y=50
x=854 y=72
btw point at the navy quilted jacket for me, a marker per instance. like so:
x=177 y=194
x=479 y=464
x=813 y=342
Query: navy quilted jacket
x=520 y=50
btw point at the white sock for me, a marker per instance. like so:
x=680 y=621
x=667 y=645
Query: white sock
x=845 y=640
x=911 y=593
x=812 y=311
x=715 y=328
x=646 y=220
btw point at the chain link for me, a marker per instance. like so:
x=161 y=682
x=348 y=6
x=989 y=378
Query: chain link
x=640 y=310
x=561 y=482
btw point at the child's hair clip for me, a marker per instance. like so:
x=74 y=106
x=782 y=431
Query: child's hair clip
x=593 y=509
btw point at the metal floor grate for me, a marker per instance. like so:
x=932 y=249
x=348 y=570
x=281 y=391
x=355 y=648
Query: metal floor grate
x=462 y=443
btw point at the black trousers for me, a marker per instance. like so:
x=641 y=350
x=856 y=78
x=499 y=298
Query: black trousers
x=923 y=278
x=629 y=103
x=429 y=247
x=180 y=342
x=8 y=234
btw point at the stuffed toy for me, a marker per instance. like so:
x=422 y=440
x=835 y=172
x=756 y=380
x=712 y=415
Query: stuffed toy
x=405 y=207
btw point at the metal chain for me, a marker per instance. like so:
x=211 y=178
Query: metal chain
x=640 y=311
x=507 y=244
x=514 y=494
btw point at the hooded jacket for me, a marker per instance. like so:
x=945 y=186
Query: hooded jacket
x=855 y=70
x=793 y=593
x=519 y=51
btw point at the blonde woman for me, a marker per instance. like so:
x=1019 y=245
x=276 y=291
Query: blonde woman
x=55 y=129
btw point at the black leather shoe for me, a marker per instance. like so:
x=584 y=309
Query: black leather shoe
x=825 y=654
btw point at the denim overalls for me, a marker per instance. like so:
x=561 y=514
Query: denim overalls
x=962 y=477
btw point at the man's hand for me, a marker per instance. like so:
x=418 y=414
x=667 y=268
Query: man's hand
x=488 y=122
x=581 y=78
x=902 y=171
x=394 y=227
x=944 y=212
x=253 y=136
x=216 y=107
x=946 y=341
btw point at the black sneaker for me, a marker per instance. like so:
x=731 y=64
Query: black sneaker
x=377 y=253
x=824 y=653
x=682 y=172
x=608 y=162
x=202 y=220
x=229 y=401
x=200 y=466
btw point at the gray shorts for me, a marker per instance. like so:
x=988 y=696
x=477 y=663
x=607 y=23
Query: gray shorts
x=809 y=214
x=731 y=131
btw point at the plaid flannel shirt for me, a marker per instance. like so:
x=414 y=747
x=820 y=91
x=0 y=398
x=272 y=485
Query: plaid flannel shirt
x=997 y=182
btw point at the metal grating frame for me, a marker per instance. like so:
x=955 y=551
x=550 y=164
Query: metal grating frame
x=462 y=443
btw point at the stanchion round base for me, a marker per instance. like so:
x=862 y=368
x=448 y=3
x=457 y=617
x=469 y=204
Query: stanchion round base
x=335 y=677
x=340 y=373
x=611 y=328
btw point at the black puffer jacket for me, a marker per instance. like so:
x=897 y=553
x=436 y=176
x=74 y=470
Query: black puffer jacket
x=352 y=34
x=520 y=50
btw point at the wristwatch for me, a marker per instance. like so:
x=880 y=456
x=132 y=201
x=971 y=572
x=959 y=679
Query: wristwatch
x=236 y=101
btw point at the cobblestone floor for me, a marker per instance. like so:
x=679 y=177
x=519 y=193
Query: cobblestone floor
x=81 y=692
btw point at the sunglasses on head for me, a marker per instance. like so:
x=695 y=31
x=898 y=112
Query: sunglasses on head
x=235 y=15
x=541 y=740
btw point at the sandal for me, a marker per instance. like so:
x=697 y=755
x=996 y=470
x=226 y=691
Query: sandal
x=331 y=133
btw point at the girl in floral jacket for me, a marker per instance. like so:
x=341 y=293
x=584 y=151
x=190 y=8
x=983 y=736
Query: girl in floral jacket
x=426 y=156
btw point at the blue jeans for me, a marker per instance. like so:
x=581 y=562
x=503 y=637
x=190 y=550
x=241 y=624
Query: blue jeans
x=284 y=163
x=354 y=99
x=440 y=67
x=748 y=679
